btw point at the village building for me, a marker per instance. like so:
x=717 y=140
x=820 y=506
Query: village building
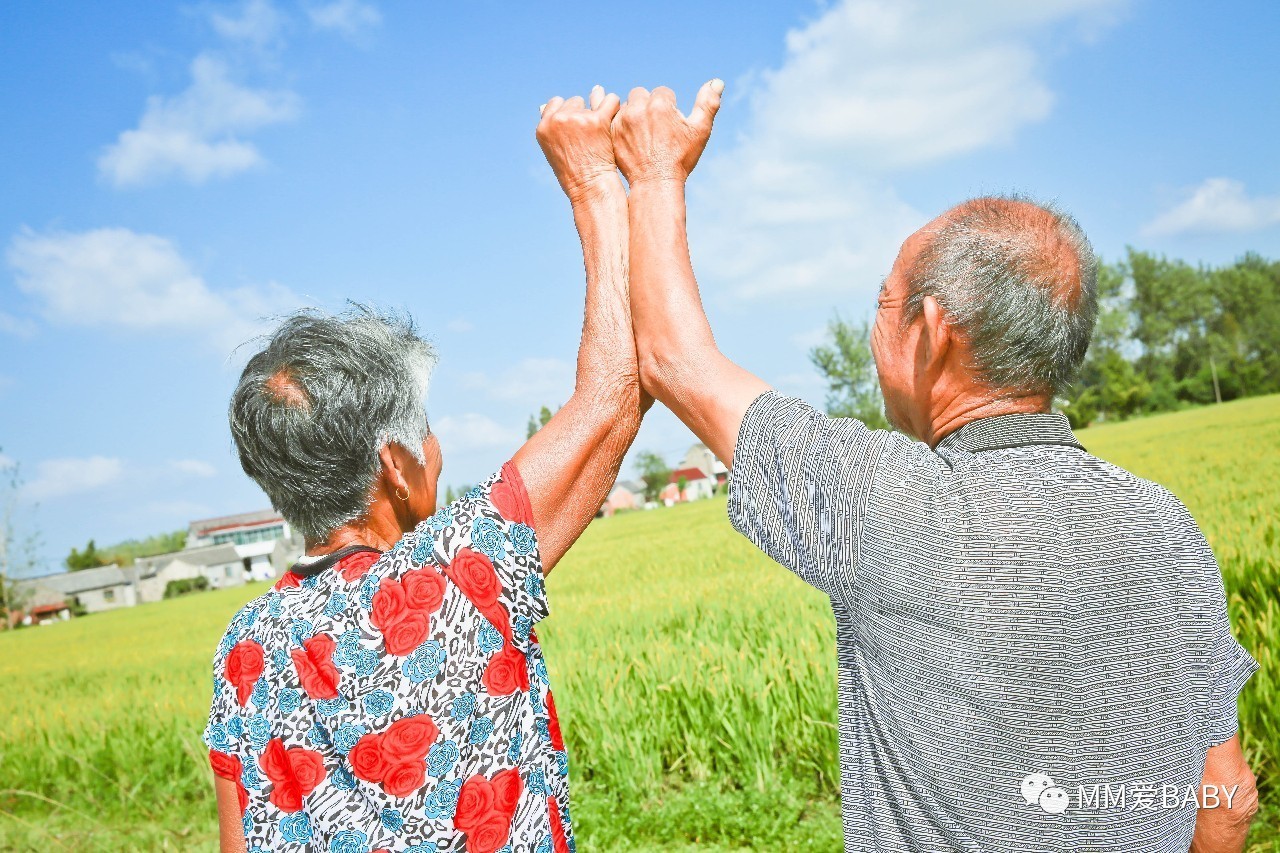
x=625 y=495
x=220 y=566
x=92 y=590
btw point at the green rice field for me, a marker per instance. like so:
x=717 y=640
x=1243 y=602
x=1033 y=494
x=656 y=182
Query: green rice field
x=695 y=679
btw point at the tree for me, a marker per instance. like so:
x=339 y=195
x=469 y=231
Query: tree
x=845 y=362
x=17 y=551
x=538 y=421
x=653 y=472
x=89 y=558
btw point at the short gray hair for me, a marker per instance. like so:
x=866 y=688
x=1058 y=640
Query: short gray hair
x=1020 y=281
x=313 y=409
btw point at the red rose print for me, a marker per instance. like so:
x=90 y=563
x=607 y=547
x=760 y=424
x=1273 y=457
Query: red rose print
x=474 y=575
x=506 y=792
x=366 y=759
x=243 y=666
x=294 y=773
x=316 y=672
x=229 y=767
x=407 y=634
x=354 y=566
x=490 y=835
x=423 y=589
x=287 y=580
x=409 y=739
x=561 y=844
x=475 y=802
x=403 y=779
x=389 y=605
x=557 y=739
x=505 y=498
x=506 y=673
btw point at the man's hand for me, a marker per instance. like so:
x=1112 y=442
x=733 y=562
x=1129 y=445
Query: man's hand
x=652 y=140
x=575 y=139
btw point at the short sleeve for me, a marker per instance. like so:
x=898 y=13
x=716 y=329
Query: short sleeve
x=798 y=487
x=495 y=520
x=1225 y=666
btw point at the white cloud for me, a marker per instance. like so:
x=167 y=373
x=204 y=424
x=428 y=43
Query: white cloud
x=193 y=467
x=471 y=431
x=20 y=327
x=57 y=478
x=533 y=381
x=460 y=326
x=195 y=135
x=7 y=462
x=1217 y=205
x=259 y=23
x=120 y=279
x=802 y=199
x=348 y=17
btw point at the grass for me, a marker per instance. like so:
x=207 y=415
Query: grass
x=696 y=717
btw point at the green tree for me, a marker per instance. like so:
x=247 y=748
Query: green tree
x=845 y=362
x=89 y=558
x=653 y=472
x=538 y=421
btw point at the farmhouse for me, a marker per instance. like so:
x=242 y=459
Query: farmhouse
x=625 y=494
x=700 y=456
x=95 y=590
x=219 y=565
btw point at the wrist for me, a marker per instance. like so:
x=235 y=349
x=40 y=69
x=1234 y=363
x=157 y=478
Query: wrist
x=591 y=188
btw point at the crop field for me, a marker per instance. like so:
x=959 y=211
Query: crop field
x=695 y=678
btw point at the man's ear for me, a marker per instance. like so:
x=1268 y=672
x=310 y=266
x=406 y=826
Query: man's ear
x=391 y=472
x=935 y=336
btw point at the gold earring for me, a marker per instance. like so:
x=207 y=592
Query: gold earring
x=405 y=496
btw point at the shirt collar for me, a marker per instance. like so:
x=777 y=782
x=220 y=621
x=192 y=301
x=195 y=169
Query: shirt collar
x=1000 y=432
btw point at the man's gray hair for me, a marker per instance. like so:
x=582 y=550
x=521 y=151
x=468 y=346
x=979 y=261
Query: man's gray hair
x=313 y=409
x=1020 y=281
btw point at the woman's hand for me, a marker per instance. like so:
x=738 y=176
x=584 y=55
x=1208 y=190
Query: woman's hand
x=575 y=138
x=652 y=140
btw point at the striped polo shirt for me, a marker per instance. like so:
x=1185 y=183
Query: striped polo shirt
x=1033 y=646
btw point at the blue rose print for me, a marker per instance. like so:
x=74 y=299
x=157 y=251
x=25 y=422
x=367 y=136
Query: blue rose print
x=541 y=727
x=392 y=819
x=216 y=737
x=464 y=706
x=349 y=841
x=246 y=823
x=443 y=800
x=296 y=827
x=289 y=700
x=480 y=731
x=540 y=671
x=538 y=783
x=310 y=582
x=300 y=630
x=425 y=664
x=533 y=584
x=259 y=732
x=235 y=726
x=522 y=540
x=378 y=703
x=513 y=751
x=337 y=604
x=544 y=846
x=249 y=776
x=346 y=736
x=521 y=626
x=562 y=763
x=329 y=707
x=489 y=639
x=342 y=779
x=441 y=758
x=275 y=605
x=535 y=701
x=280 y=658
x=366 y=662
x=367 y=588
x=473 y=494
x=318 y=735
x=421 y=552
x=347 y=648
x=440 y=520
x=487 y=537
x=261 y=694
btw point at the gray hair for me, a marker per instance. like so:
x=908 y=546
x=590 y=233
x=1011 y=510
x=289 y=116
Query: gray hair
x=313 y=409
x=1020 y=281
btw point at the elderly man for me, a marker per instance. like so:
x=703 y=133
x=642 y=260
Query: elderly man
x=1033 y=645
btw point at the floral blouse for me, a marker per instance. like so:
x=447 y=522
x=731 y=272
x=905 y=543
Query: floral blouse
x=399 y=701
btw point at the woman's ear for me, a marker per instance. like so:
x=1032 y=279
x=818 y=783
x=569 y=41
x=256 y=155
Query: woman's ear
x=391 y=472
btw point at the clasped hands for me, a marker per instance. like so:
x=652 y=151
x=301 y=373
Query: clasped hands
x=647 y=138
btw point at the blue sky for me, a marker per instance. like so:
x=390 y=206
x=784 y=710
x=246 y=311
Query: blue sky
x=173 y=174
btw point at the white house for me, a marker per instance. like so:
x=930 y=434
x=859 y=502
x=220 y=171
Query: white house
x=696 y=486
x=95 y=590
x=265 y=542
x=220 y=565
x=701 y=457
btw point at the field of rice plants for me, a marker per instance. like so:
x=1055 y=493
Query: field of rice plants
x=695 y=679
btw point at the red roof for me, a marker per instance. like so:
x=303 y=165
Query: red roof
x=48 y=608
x=689 y=474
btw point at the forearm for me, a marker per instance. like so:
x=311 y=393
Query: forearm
x=571 y=463
x=678 y=359
x=1224 y=827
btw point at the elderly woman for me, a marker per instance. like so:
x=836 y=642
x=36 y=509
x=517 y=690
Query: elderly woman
x=389 y=693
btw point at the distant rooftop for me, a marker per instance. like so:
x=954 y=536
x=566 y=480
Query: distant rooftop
x=206 y=526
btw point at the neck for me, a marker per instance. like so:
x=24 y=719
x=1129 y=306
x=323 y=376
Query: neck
x=958 y=410
x=371 y=532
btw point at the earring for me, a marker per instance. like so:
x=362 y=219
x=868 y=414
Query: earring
x=405 y=496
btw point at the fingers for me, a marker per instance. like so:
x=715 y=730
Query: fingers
x=707 y=103
x=550 y=107
x=609 y=106
x=662 y=93
x=638 y=96
x=597 y=96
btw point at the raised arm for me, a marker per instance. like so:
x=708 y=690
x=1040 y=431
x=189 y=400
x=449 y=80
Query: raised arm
x=680 y=364
x=570 y=465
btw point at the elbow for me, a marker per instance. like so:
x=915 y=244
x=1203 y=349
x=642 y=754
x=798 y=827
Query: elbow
x=1244 y=804
x=663 y=371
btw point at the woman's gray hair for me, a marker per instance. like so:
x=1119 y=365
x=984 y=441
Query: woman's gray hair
x=1020 y=281
x=313 y=409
